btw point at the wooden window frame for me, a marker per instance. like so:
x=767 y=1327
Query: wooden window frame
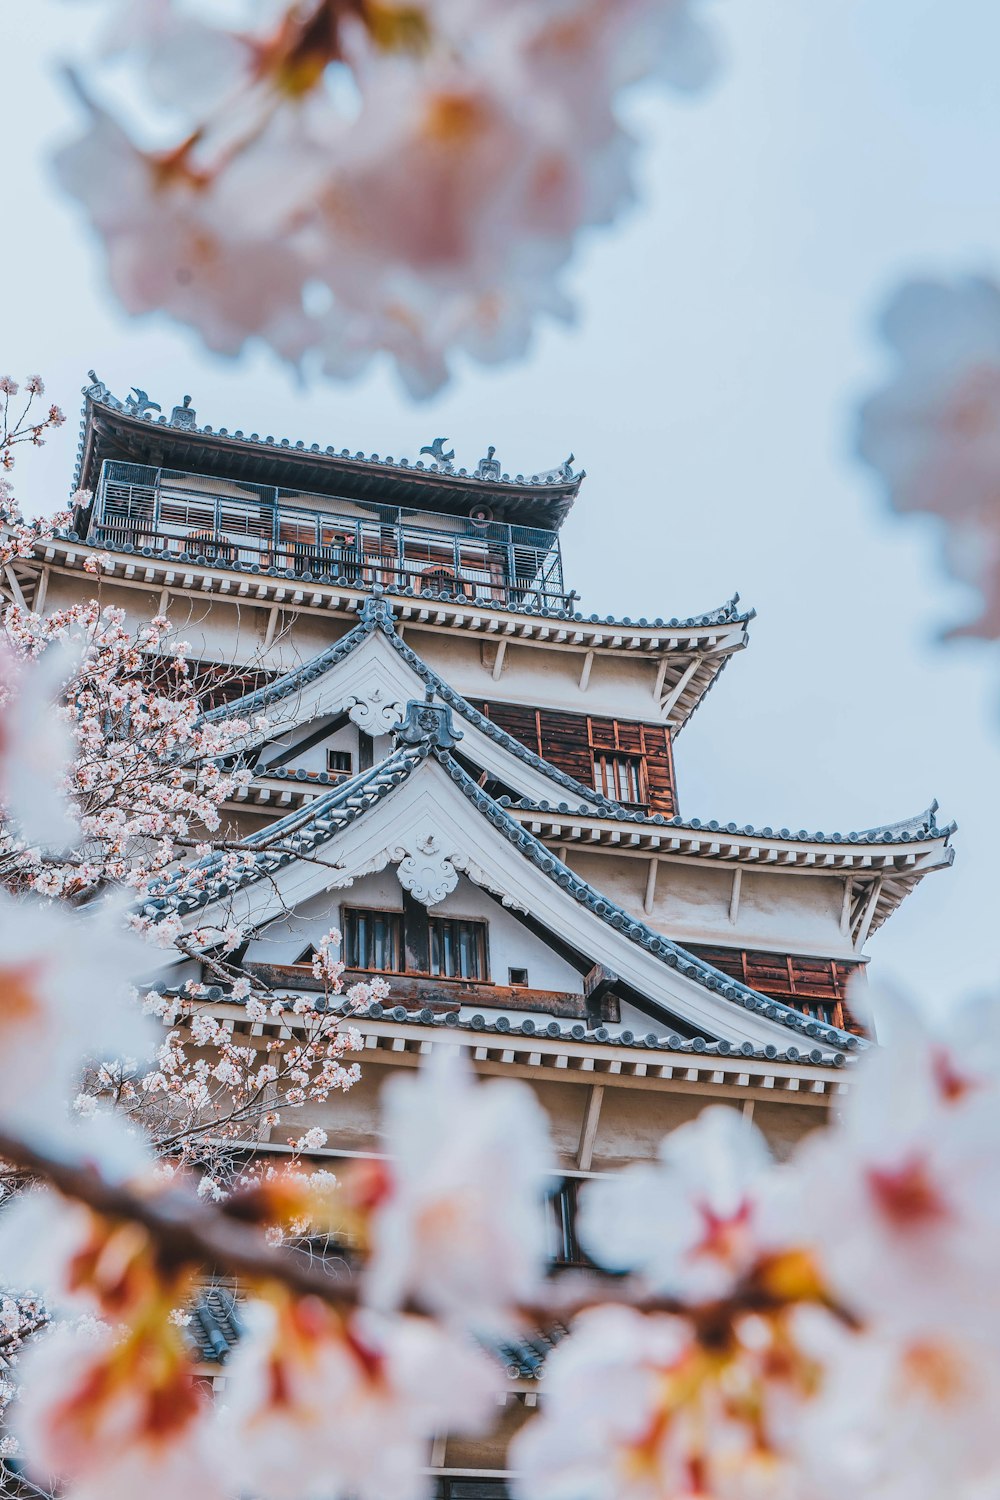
x=617 y=764
x=477 y=927
x=341 y=772
x=349 y=914
x=414 y=941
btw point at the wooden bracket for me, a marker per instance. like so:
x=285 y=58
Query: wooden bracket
x=598 y=987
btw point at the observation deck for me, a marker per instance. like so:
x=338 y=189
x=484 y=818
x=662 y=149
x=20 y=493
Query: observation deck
x=249 y=527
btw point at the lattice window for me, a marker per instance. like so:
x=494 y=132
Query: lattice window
x=458 y=948
x=339 y=764
x=373 y=940
x=620 y=777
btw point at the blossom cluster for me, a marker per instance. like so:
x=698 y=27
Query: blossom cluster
x=110 y=774
x=825 y=1327
x=22 y=423
x=932 y=433
x=409 y=178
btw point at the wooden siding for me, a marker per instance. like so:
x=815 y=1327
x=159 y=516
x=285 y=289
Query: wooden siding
x=815 y=986
x=570 y=742
x=417 y=991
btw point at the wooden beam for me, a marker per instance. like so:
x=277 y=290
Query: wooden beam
x=272 y=625
x=869 y=915
x=845 y=910
x=588 y=1132
x=498 y=660
x=164 y=604
x=734 y=897
x=650 y=896
x=43 y=588
x=675 y=692
x=588 y=664
x=15 y=587
x=748 y=1110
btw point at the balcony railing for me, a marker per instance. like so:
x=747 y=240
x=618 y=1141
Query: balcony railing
x=261 y=529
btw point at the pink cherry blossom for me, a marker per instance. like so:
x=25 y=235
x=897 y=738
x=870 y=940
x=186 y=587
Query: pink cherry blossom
x=636 y=1409
x=932 y=433
x=900 y=1198
x=105 y=1433
x=458 y=1223
x=65 y=1000
x=691 y=1223
x=424 y=171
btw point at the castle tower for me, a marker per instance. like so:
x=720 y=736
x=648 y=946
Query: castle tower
x=479 y=779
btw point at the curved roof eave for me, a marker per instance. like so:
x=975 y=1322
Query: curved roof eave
x=302 y=832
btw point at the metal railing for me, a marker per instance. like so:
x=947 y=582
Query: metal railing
x=260 y=528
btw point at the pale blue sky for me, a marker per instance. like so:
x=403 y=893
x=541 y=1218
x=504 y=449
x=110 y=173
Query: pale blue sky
x=709 y=388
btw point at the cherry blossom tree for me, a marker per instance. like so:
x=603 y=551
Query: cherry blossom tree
x=410 y=178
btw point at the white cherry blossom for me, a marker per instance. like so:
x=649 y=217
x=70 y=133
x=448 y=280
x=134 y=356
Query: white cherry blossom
x=344 y=1409
x=636 y=1409
x=458 y=1223
x=900 y=1198
x=901 y=1418
x=690 y=1224
x=104 y=1432
x=65 y=1000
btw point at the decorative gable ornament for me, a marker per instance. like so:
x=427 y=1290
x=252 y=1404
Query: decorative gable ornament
x=428 y=723
x=374 y=712
x=427 y=873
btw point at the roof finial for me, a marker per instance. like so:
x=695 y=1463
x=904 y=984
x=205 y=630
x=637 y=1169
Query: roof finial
x=436 y=451
x=139 y=404
x=488 y=467
x=427 y=723
x=184 y=416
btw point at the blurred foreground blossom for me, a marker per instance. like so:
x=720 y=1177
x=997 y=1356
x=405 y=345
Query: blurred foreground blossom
x=457 y=1222
x=322 y=1405
x=933 y=432
x=352 y=178
x=690 y=1223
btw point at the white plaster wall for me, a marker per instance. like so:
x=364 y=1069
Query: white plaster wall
x=790 y=912
x=313 y=759
x=620 y=686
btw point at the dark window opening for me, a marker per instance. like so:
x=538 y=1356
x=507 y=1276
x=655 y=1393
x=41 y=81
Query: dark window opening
x=620 y=778
x=517 y=976
x=339 y=763
x=563 y=1208
x=373 y=940
x=458 y=948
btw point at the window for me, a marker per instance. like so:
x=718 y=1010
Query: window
x=517 y=977
x=339 y=763
x=458 y=948
x=563 y=1207
x=373 y=940
x=621 y=778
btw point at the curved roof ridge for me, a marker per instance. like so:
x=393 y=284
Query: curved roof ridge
x=334 y=809
x=920 y=828
x=562 y=478
x=661 y=947
x=376 y=614
x=318 y=823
